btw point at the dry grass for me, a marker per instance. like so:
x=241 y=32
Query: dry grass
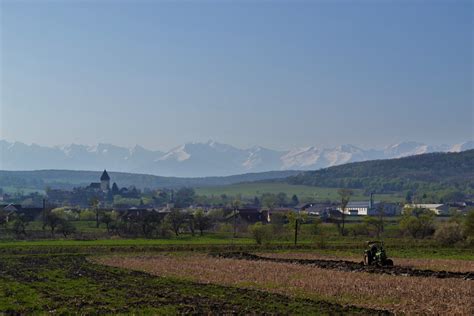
x=432 y=264
x=413 y=295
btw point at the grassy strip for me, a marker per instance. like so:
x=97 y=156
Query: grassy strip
x=340 y=247
x=69 y=283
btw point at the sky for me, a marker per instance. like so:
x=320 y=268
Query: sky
x=279 y=74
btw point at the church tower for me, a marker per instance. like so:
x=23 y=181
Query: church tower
x=105 y=181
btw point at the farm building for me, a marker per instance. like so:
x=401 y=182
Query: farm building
x=314 y=208
x=31 y=213
x=371 y=208
x=250 y=215
x=438 y=209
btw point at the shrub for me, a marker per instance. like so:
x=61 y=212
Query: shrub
x=87 y=215
x=19 y=225
x=448 y=233
x=418 y=223
x=469 y=225
x=261 y=233
x=66 y=214
x=359 y=230
x=225 y=228
x=66 y=228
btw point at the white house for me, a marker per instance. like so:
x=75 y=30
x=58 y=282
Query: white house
x=370 y=207
x=438 y=209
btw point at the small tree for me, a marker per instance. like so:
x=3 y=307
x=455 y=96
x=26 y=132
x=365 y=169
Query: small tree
x=417 y=222
x=278 y=222
x=294 y=200
x=374 y=224
x=184 y=197
x=381 y=217
x=261 y=233
x=236 y=203
x=345 y=196
x=281 y=199
x=19 y=225
x=256 y=201
x=318 y=233
x=107 y=219
x=469 y=225
x=449 y=233
x=66 y=228
x=269 y=201
x=202 y=221
x=87 y=215
x=175 y=219
x=150 y=223
x=3 y=218
x=94 y=203
x=191 y=223
x=52 y=220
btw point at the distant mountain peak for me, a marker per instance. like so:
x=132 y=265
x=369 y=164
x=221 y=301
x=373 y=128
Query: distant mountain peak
x=196 y=159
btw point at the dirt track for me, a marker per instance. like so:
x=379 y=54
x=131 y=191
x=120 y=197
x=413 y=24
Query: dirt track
x=351 y=266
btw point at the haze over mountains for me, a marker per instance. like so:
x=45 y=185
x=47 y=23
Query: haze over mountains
x=199 y=159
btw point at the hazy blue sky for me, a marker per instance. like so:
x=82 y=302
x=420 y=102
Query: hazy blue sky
x=273 y=73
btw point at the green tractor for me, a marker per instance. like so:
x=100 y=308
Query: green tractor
x=375 y=255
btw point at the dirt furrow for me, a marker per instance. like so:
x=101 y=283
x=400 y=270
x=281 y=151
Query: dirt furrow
x=351 y=266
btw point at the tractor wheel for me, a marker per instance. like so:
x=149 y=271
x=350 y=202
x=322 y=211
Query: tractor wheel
x=389 y=263
x=366 y=259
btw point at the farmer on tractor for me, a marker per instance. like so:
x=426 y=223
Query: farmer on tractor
x=375 y=254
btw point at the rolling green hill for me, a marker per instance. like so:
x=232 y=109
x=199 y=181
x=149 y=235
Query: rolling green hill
x=67 y=179
x=421 y=173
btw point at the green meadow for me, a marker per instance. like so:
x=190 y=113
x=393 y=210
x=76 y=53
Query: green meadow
x=304 y=193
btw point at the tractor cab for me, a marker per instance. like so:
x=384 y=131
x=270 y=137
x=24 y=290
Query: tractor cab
x=375 y=254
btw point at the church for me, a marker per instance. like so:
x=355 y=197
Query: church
x=104 y=184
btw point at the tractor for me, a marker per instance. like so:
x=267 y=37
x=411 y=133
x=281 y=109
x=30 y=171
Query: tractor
x=375 y=255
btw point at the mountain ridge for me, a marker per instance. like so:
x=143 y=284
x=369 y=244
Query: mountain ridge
x=426 y=173
x=200 y=159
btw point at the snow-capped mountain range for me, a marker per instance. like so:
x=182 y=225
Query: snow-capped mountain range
x=199 y=159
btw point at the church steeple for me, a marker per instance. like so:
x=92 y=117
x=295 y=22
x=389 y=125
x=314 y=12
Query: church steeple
x=105 y=176
x=105 y=181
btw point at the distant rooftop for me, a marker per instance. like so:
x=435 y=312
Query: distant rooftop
x=360 y=204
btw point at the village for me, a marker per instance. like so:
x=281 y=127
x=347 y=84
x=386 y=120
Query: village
x=181 y=211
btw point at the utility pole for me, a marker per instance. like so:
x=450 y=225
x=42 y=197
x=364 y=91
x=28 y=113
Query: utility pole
x=296 y=227
x=235 y=223
x=296 y=231
x=43 y=215
x=235 y=205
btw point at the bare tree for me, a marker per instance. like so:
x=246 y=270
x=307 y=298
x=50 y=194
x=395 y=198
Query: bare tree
x=176 y=219
x=202 y=221
x=381 y=216
x=106 y=218
x=345 y=195
x=52 y=220
x=235 y=206
x=94 y=203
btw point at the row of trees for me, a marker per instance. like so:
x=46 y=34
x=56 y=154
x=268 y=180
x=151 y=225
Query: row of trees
x=416 y=223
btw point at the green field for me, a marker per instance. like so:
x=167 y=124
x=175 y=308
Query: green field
x=64 y=284
x=62 y=276
x=304 y=193
x=14 y=190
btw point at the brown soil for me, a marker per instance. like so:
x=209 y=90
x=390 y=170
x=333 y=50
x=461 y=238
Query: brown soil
x=451 y=265
x=351 y=266
x=411 y=295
